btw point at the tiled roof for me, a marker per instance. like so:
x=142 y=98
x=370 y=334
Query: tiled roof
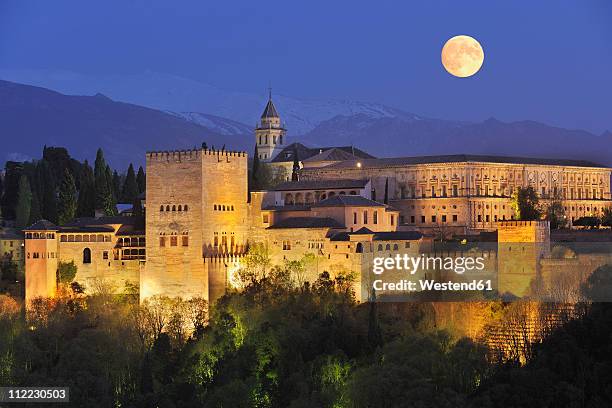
x=306 y=222
x=460 y=158
x=11 y=234
x=348 y=201
x=333 y=154
x=304 y=153
x=286 y=208
x=95 y=228
x=129 y=230
x=89 y=221
x=270 y=110
x=321 y=184
x=42 y=225
x=380 y=236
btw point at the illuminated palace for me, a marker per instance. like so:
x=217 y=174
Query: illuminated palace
x=346 y=208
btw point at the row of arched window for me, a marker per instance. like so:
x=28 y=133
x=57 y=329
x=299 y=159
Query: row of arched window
x=40 y=235
x=173 y=207
x=173 y=239
x=37 y=255
x=131 y=242
x=223 y=207
x=274 y=140
x=85 y=238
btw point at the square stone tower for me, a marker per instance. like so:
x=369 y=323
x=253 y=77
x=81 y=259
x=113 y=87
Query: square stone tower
x=521 y=245
x=41 y=260
x=196 y=207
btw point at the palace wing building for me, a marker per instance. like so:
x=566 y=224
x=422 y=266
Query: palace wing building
x=346 y=208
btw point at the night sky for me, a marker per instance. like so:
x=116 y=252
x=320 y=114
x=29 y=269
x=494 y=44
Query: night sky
x=549 y=61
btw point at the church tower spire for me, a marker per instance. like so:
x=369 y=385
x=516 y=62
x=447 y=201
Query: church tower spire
x=269 y=133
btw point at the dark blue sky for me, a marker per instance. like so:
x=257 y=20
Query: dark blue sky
x=545 y=60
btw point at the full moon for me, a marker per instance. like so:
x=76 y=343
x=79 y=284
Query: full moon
x=462 y=56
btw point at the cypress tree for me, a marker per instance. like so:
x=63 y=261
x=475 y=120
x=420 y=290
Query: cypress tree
x=24 y=202
x=386 y=200
x=12 y=174
x=255 y=168
x=35 y=213
x=103 y=181
x=67 y=199
x=375 y=338
x=130 y=191
x=87 y=195
x=46 y=189
x=296 y=165
x=116 y=183
x=110 y=206
x=141 y=180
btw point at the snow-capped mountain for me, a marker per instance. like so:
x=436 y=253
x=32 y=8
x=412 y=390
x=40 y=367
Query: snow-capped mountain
x=196 y=101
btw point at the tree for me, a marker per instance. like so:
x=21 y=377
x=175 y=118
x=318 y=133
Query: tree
x=130 y=192
x=141 y=180
x=606 y=218
x=24 y=202
x=116 y=184
x=588 y=222
x=35 y=213
x=12 y=175
x=66 y=271
x=105 y=199
x=255 y=169
x=67 y=199
x=525 y=203
x=87 y=194
x=386 y=200
x=555 y=213
x=295 y=173
x=47 y=190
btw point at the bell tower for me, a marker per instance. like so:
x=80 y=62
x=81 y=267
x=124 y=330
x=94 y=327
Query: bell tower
x=269 y=133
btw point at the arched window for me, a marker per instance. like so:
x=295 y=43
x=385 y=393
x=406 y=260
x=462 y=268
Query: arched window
x=180 y=207
x=343 y=193
x=215 y=207
x=87 y=256
x=161 y=208
x=388 y=247
x=174 y=208
x=223 y=207
x=232 y=208
x=395 y=247
x=167 y=208
x=380 y=247
x=331 y=194
x=353 y=193
x=185 y=208
x=359 y=249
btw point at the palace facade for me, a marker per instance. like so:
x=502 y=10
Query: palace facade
x=346 y=208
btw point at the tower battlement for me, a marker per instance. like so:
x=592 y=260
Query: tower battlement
x=191 y=154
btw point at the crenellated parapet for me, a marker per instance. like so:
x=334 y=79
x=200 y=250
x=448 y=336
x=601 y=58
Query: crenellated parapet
x=192 y=154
